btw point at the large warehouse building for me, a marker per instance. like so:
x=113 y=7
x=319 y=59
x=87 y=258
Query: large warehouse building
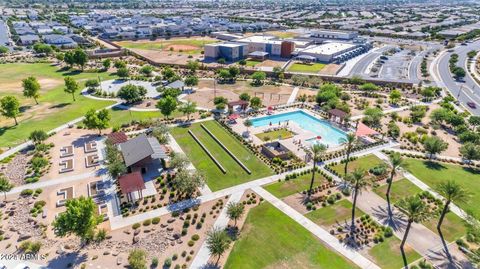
x=332 y=52
x=269 y=44
x=322 y=35
x=229 y=51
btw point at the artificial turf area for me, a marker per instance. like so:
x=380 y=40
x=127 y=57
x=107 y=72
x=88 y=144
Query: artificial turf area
x=292 y=186
x=273 y=135
x=271 y=239
x=364 y=163
x=387 y=254
x=216 y=180
x=339 y=212
x=55 y=106
x=452 y=227
x=432 y=173
x=306 y=68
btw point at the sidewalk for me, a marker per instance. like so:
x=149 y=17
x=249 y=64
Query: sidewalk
x=319 y=232
x=203 y=254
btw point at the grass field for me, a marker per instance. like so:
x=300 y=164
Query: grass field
x=273 y=135
x=292 y=186
x=216 y=180
x=192 y=45
x=252 y=63
x=453 y=227
x=282 y=34
x=365 y=163
x=339 y=212
x=433 y=173
x=306 y=68
x=120 y=116
x=271 y=239
x=387 y=254
x=55 y=106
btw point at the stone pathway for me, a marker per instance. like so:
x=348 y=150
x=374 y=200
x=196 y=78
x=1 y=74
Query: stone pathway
x=330 y=240
x=293 y=96
x=203 y=255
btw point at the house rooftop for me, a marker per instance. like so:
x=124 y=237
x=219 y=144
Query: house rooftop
x=136 y=149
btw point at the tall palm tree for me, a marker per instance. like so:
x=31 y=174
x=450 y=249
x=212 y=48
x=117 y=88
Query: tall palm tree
x=359 y=181
x=350 y=140
x=452 y=192
x=415 y=210
x=317 y=151
x=395 y=161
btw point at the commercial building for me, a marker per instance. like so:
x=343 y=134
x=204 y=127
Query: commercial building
x=332 y=52
x=322 y=35
x=269 y=44
x=228 y=51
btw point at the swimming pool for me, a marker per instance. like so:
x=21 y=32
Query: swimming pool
x=329 y=134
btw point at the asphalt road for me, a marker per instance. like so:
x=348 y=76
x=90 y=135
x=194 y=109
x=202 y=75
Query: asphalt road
x=361 y=66
x=467 y=91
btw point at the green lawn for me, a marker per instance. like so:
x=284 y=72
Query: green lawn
x=433 y=173
x=163 y=44
x=306 y=68
x=292 y=186
x=120 y=116
x=271 y=239
x=55 y=108
x=365 y=163
x=387 y=254
x=216 y=180
x=252 y=63
x=274 y=135
x=400 y=189
x=453 y=227
x=339 y=212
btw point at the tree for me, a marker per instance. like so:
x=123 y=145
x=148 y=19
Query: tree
x=373 y=116
x=369 y=87
x=131 y=93
x=223 y=75
x=188 y=108
x=395 y=96
x=459 y=73
x=417 y=113
x=5 y=186
x=193 y=66
x=393 y=130
x=434 y=145
x=235 y=211
x=137 y=259
x=79 y=219
x=3 y=50
x=350 y=140
x=247 y=123
x=256 y=102
x=428 y=93
x=470 y=151
x=31 y=88
x=179 y=161
x=191 y=81
x=167 y=105
x=258 y=78
x=38 y=136
x=474 y=121
x=80 y=58
x=69 y=58
x=395 y=162
x=160 y=132
x=71 y=86
x=415 y=210
x=119 y=64
x=146 y=70
x=316 y=150
x=116 y=168
x=168 y=73
x=358 y=179
x=42 y=48
x=97 y=120
x=218 y=242
x=234 y=71
x=452 y=192
x=92 y=84
x=187 y=183
x=106 y=64
x=10 y=107
x=123 y=72
x=244 y=97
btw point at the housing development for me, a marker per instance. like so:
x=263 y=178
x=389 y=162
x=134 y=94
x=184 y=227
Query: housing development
x=239 y=134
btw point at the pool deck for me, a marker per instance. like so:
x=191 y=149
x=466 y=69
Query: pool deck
x=301 y=135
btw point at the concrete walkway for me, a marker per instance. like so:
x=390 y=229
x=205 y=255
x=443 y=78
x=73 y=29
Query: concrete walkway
x=293 y=96
x=330 y=240
x=203 y=254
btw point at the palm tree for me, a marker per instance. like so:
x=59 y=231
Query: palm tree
x=235 y=211
x=5 y=186
x=416 y=210
x=317 y=151
x=218 y=242
x=395 y=161
x=350 y=140
x=248 y=123
x=453 y=192
x=359 y=181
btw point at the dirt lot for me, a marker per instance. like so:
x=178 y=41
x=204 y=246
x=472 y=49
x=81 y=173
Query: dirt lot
x=166 y=57
x=270 y=94
x=330 y=69
x=271 y=63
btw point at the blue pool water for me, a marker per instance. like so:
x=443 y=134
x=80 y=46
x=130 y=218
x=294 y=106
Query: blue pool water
x=329 y=135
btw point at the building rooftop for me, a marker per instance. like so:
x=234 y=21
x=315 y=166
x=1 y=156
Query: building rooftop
x=328 y=48
x=131 y=182
x=136 y=149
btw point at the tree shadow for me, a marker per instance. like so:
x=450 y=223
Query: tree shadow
x=393 y=218
x=71 y=73
x=24 y=108
x=61 y=105
x=65 y=260
x=210 y=265
x=434 y=165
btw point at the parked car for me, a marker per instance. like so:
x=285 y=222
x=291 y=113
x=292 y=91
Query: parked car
x=472 y=105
